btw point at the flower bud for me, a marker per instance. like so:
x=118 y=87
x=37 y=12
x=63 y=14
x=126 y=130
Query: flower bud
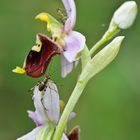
x=102 y=59
x=125 y=15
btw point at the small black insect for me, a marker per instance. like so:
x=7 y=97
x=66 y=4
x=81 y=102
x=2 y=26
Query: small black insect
x=42 y=85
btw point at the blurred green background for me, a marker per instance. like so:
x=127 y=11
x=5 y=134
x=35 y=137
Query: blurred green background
x=110 y=106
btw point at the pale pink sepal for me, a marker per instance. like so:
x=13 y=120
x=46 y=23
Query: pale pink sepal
x=74 y=44
x=31 y=135
x=64 y=137
x=66 y=67
x=72 y=115
x=71 y=13
x=46 y=105
x=51 y=102
x=39 y=116
x=34 y=117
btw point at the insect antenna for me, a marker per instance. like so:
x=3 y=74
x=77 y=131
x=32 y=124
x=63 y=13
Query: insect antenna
x=62 y=16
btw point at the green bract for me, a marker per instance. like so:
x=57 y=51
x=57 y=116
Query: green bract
x=102 y=58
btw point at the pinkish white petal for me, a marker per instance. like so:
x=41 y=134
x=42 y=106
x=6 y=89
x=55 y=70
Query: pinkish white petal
x=64 y=137
x=66 y=66
x=74 y=44
x=51 y=102
x=31 y=135
x=72 y=115
x=35 y=118
x=71 y=13
x=40 y=114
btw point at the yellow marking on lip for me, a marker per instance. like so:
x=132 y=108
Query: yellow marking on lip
x=19 y=70
x=49 y=27
x=36 y=48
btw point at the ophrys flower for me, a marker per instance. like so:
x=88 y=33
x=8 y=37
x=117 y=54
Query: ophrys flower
x=71 y=41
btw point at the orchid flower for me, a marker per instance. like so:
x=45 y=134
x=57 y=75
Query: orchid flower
x=47 y=113
x=63 y=41
x=71 y=41
x=71 y=46
x=39 y=56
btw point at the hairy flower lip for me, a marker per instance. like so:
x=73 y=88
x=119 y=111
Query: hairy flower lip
x=74 y=134
x=36 y=63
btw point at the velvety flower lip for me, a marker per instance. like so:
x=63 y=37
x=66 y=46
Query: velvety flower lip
x=74 y=134
x=37 y=61
x=39 y=57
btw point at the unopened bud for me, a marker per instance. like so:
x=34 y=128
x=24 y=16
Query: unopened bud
x=125 y=15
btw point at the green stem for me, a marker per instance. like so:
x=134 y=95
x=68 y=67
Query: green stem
x=97 y=45
x=85 y=56
x=106 y=37
x=83 y=79
x=69 y=107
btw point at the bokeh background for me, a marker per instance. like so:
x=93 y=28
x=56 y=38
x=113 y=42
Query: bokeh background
x=110 y=106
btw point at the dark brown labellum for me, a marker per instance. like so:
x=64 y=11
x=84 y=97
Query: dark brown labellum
x=37 y=62
x=74 y=134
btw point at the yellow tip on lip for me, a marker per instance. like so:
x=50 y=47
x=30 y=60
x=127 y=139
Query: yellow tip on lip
x=36 y=48
x=43 y=17
x=19 y=70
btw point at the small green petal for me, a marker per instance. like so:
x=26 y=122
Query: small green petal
x=53 y=26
